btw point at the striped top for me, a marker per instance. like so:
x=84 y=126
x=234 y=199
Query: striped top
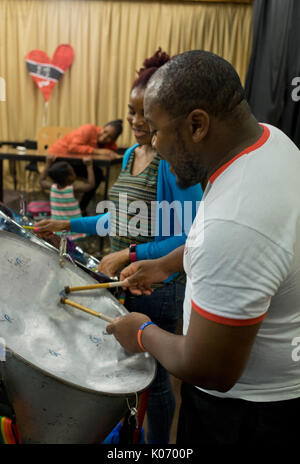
x=139 y=188
x=64 y=205
x=129 y=219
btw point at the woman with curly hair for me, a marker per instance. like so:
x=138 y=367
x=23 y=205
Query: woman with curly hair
x=145 y=177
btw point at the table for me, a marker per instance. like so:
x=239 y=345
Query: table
x=12 y=154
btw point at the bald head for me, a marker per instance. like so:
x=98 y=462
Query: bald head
x=196 y=79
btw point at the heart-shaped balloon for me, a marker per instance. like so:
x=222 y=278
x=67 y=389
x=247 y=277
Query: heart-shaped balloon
x=46 y=72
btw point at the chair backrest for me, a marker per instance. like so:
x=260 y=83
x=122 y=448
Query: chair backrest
x=50 y=134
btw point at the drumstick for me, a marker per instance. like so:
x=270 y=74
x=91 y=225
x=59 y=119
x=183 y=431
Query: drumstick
x=85 y=309
x=31 y=227
x=91 y=287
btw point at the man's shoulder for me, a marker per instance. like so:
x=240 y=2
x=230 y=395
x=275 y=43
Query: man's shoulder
x=278 y=139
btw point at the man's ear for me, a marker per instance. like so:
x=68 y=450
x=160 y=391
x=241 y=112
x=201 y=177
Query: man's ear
x=199 y=123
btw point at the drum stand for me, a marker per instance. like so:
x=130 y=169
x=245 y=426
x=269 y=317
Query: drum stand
x=143 y=403
x=62 y=248
x=23 y=207
x=130 y=432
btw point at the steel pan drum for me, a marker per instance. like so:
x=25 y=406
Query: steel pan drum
x=10 y=225
x=67 y=379
x=84 y=260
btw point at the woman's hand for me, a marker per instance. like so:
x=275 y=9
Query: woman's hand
x=44 y=227
x=112 y=264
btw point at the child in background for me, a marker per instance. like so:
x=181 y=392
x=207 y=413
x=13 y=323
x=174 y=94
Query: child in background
x=63 y=203
x=90 y=140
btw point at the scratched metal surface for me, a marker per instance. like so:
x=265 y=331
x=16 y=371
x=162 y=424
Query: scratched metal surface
x=62 y=341
x=10 y=225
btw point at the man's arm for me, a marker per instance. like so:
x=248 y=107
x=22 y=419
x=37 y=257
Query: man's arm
x=229 y=291
x=211 y=355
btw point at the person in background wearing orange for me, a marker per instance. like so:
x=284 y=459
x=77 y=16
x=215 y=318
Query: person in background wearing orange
x=89 y=140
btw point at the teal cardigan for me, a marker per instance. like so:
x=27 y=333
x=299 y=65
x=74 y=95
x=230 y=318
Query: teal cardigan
x=167 y=190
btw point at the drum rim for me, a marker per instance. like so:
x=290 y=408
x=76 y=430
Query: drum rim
x=80 y=387
x=40 y=241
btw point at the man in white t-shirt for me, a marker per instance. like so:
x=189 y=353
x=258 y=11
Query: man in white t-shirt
x=240 y=347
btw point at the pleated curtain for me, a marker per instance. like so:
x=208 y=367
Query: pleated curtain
x=110 y=39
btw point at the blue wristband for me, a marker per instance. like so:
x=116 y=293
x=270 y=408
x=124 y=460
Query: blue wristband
x=139 y=334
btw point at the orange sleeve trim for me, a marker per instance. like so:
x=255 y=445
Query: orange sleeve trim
x=261 y=141
x=227 y=320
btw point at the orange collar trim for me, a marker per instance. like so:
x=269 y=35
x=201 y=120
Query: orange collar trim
x=261 y=141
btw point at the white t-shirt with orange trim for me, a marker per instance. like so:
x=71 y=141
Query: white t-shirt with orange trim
x=247 y=269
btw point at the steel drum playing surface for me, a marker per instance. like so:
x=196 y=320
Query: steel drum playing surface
x=62 y=341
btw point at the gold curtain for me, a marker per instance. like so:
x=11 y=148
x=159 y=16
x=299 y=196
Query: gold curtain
x=110 y=40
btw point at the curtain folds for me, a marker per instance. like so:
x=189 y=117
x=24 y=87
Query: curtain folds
x=275 y=64
x=110 y=40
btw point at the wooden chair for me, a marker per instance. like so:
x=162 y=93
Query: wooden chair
x=46 y=136
x=50 y=134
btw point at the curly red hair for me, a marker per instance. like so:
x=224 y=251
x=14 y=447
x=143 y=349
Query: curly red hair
x=150 y=65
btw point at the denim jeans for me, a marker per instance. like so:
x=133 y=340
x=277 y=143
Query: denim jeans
x=164 y=307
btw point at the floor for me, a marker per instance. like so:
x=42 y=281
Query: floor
x=90 y=245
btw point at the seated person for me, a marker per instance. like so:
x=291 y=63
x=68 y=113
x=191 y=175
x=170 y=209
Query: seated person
x=63 y=203
x=90 y=140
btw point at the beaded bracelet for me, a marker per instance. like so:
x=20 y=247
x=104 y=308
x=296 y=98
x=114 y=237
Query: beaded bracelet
x=139 y=334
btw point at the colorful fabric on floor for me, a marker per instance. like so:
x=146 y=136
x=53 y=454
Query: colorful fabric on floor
x=9 y=434
x=113 y=438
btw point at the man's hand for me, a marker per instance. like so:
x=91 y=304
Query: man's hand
x=142 y=274
x=112 y=264
x=125 y=330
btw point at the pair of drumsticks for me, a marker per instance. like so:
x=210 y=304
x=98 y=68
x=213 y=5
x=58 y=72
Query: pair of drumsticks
x=90 y=287
x=85 y=287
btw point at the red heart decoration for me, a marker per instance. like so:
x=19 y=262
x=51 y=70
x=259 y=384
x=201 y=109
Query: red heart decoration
x=46 y=72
